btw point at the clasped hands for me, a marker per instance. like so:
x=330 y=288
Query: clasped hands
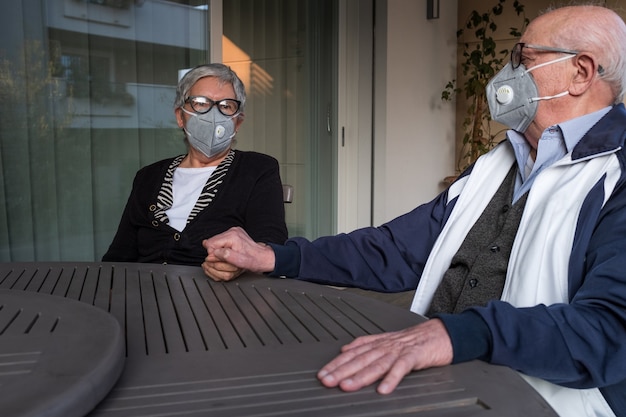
x=231 y=253
x=367 y=359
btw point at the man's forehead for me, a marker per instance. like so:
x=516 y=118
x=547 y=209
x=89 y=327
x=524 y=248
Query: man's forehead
x=539 y=30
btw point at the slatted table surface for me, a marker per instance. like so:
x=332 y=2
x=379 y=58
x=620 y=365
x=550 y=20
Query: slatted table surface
x=252 y=347
x=58 y=357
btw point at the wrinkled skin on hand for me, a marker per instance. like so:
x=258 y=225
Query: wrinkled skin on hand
x=231 y=253
x=389 y=356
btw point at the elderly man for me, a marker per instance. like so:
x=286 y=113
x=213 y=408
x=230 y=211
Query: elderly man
x=522 y=261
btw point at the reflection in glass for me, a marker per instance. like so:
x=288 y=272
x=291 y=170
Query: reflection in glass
x=87 y=90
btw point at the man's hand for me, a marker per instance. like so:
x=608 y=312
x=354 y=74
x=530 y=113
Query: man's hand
x=232 y=252
x=388 y=355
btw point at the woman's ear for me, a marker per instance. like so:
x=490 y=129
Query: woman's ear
x=179 y=117
x=239 y=120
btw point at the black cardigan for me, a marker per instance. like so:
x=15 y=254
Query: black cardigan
x=250 y=196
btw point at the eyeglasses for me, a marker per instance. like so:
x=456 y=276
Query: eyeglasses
x=202 y=105
x=516 y=52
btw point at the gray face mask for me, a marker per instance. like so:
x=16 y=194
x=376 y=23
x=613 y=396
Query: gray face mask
x=210 y=133
x=512 y=95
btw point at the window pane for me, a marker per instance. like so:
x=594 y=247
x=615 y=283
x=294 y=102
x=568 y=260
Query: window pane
x=86 y=99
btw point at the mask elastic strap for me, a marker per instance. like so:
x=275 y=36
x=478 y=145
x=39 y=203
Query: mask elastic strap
x=188 y=112
x=564 y=93
x=554 y=61
x=533 y=99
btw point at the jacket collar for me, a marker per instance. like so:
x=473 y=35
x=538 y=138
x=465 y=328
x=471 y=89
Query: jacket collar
x=608 y=135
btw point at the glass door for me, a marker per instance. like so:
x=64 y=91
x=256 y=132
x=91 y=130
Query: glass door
x=86 y=96
x=86 y=99
x=285 y=52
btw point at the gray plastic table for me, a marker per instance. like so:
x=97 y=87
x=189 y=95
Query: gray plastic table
x=58 y=357
x=252 y=347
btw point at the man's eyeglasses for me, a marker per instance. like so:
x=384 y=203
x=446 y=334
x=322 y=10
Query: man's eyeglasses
x=516 y=52
x=202 y=105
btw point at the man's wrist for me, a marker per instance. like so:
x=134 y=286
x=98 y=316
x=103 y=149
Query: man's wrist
x=469 y=334
x=286 y=260
x=267 y=259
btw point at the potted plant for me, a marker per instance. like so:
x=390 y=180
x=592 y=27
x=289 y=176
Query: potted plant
x=481 y=60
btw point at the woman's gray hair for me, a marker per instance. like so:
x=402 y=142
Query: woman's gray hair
x=220 y=71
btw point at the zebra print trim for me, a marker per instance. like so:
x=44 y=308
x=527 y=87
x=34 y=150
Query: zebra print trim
x=165 y=198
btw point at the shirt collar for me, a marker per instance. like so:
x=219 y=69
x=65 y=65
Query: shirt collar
x=574 y=129
x=572 y=132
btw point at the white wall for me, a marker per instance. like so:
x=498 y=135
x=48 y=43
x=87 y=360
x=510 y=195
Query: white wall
x=414 y=130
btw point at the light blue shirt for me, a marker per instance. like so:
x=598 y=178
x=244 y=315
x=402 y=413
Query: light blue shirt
x=555 y=142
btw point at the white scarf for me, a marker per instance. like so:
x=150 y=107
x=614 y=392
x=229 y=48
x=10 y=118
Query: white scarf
x=545 y=235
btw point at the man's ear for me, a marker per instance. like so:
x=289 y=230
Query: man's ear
x=587 y=70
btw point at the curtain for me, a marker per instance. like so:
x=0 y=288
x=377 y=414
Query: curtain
x=86 y=99
x=283 y=51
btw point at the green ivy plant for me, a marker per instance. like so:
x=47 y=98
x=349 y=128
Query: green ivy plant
x=481 y=61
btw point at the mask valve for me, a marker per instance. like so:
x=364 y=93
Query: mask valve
x=505 y=95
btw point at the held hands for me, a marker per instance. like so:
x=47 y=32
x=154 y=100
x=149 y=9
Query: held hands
x=388 y=355
x=231 y=253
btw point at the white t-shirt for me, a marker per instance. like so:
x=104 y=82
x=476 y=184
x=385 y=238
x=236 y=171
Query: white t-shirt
x=186 y=186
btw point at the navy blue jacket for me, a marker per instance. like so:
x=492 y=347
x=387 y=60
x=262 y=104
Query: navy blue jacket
x=580 y=343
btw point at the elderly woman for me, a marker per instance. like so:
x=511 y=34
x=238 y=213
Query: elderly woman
x=176 y=203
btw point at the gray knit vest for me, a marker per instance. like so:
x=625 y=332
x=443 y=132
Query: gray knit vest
x=478 y=270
